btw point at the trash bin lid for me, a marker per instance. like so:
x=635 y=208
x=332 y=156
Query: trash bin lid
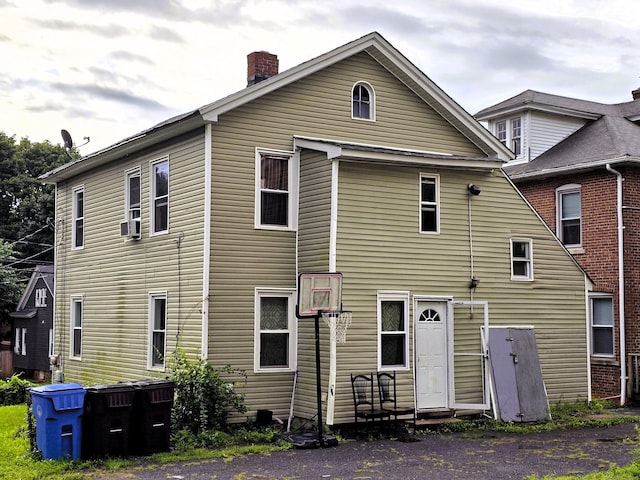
x=115 y=395
x=56 y=388
x=64 y=396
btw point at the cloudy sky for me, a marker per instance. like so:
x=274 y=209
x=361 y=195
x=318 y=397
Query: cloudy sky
x=107 y=69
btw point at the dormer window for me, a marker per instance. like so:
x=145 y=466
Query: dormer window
x=363 y=102
x=511 y=137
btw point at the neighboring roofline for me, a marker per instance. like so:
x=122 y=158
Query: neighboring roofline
x=540 y=107
x=546 y=102
x=390 y=155
x=35 y=276
x=373 y=44
x=580 y=167
x=26 y=313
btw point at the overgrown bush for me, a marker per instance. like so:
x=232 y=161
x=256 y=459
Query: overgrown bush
x=13 y=391
x=204 y=398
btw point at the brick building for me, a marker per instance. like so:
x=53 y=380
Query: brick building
x=578 y=163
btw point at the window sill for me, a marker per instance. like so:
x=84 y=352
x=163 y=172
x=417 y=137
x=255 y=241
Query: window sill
x=576 y=250
x=605 y=361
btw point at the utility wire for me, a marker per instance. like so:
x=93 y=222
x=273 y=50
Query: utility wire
x=25 y=259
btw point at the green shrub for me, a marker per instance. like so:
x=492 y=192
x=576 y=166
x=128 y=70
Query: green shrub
x=204 y=399
x=13 y=391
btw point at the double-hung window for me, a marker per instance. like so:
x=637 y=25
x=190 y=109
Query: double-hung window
x=362 y=102
x=521 y=259
x=275 y=335
x=77 y=320
x=275 y=190
x=41 y=298
x=160 y=196
x=133 y=195
x=393 y=330
x=516 y=135
x=77 y=234
x=429 y=211
x=501 y=132
x=511 y=137
x=157 y=329
x=601 y=325
x=569 y=215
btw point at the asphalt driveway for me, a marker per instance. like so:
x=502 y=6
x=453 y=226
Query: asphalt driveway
x=453 y=456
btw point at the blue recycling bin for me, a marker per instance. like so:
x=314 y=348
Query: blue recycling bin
x=58 y=411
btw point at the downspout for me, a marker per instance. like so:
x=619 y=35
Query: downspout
x=206 y=253
x=623 y=363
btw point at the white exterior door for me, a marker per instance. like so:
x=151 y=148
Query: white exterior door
x=431 y=354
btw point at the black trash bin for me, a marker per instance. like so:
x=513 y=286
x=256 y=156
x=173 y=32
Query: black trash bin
x=107 y=420
x=151 y=417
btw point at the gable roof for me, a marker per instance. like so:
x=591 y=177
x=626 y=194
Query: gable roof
x=44 y=272
x=373 y=44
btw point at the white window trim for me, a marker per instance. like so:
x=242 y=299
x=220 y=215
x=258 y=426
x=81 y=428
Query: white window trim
x=261 y=292
x=508 y=129
x=150 y=318
x=564 y=189
x=592 y=296
x=133 y=172
x=293 y=172
x=72 y=322
x=41 y=298
x=152 y=193
x=74 y=216
x=522 y=278
x=372 y=101
x=437 y=203
x=393 y=296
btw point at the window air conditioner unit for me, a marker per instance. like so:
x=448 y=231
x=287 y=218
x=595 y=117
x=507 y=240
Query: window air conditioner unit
x=130 y=228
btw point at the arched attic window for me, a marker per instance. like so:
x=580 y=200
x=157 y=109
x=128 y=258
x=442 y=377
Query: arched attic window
x=363 y=102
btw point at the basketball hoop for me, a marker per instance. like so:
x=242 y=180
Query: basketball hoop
x=338 y=323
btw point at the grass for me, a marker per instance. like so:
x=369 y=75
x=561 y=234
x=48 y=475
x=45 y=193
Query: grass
x=17 y=463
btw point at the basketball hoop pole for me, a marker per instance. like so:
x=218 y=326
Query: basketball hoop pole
x=318 y=381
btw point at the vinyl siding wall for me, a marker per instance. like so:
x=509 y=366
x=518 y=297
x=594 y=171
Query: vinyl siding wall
x=115 y=276
x=244 y=258
x=547 y=130
x=384 y=202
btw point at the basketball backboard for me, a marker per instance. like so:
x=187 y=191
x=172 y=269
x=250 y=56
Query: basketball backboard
x=318 y=292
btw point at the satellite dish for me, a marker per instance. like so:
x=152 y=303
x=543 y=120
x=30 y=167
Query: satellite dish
x=68 y=142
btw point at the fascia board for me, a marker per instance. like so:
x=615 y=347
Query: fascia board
x=521 y=108
x=211 y=112
x=368 y=153
x=126 y=147
x=390 y=158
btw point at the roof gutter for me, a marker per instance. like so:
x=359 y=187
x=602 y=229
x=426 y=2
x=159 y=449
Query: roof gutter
x=623 y=364
x=572 y=168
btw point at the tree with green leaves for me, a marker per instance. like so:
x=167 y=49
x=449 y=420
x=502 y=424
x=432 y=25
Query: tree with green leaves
x=27 y=212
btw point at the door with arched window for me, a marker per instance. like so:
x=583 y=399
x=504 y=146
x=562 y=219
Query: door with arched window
x=431 y=354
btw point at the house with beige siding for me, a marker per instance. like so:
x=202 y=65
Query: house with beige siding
x=192 y=235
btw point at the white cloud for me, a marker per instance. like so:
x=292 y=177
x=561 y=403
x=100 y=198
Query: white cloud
x=110 y=68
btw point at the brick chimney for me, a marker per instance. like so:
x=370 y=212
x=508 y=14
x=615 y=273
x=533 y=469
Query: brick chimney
x=636 y=94
x=260 y=66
